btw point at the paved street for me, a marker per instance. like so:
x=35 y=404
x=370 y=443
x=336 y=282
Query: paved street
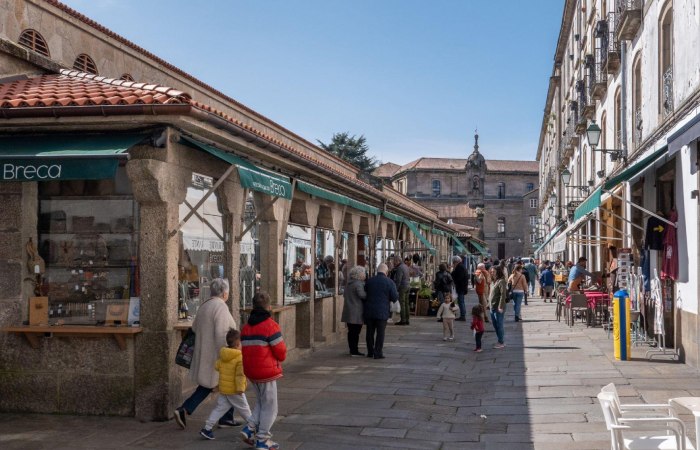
x=539 y=393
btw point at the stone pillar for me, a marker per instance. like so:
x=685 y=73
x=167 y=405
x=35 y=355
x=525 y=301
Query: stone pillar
x=352 y=225
x=159 y=188
x=272 y=229
x=233 y=197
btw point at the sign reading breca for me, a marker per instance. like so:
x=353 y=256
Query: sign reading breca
x=29 y=172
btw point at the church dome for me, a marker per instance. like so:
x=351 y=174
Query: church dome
x=476 y=160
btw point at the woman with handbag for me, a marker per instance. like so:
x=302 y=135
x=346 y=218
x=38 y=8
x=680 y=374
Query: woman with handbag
x=517 y=285
x=352 y=308
x=497 y=300
x=212 y=323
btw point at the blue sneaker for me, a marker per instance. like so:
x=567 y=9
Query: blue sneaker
x=266 y=444
x=206 y=434
x=248 y=435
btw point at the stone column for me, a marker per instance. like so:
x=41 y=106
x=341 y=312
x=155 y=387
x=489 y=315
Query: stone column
x=233 y=197
x=272 y=229
x=159 y=188
x=352 y=225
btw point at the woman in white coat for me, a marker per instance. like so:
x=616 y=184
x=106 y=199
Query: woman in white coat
x=210 y=326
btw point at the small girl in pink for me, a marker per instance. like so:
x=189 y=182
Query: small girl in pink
x=478 y=325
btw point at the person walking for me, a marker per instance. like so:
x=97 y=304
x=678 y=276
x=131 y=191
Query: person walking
x=401 y=278
x=232 y=385
x=547 y=283
x=483 y=281
x=264 y=350
x=446 y=314
x=460 y=277
x=478 y=325
x=380 y=292
x=497 y=301
x=211 y=324
x=354 y=297
x=531 y=269
x=518 y=287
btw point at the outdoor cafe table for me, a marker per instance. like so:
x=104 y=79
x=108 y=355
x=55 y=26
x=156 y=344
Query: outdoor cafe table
x=596 y=300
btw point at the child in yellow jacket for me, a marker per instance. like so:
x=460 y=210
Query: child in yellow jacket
x=232 y=386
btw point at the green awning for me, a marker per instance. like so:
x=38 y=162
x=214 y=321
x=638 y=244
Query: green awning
x=414 y=228
x=252 y=177
x=456 y=243
x=392 y=216
x=63 y=157
x=479 y=248
x=588 y=205
x=336 y=198
x=631 y=171
x=549 y=237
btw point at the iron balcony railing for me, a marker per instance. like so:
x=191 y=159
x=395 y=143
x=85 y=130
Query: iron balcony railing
x=629 y=18
x=597 y=76
x=668 y=91
x=638 y=126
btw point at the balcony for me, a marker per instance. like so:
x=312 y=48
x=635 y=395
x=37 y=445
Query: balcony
x=608 y=45
x=668 y=91
x=629 y=19
x=586 y=106
x=597 y=76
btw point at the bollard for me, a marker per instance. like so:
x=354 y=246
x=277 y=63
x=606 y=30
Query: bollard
x=621 y=326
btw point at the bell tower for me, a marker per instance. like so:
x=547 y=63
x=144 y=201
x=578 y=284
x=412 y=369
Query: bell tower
x=475 y=172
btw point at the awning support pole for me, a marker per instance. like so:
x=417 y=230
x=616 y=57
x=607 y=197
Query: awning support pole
x=622 y=218
x=644 y=209
x=218 y=183
x=239 y=238
x=613 y=228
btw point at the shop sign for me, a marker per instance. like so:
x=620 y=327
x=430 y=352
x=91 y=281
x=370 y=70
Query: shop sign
x=571 y=207
x=41 y=169
x=199 y=244
x=261 y=182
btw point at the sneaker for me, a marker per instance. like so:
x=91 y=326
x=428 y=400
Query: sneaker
x=444 y=339
x=180 y=418
x=266 y=444
x=477 y=350
x=248 y=435
x=499 y=346
x=357 y=354
x=206 y=434
x=451 y=339
x=226 y=423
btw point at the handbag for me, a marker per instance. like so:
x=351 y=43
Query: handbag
x=509 y=292
x=186 y=350
x=453 y=293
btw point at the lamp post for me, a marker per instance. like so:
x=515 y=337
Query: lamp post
x=593 y=135
x=566 y=179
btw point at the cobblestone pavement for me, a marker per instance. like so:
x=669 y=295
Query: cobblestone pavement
x=539 y=392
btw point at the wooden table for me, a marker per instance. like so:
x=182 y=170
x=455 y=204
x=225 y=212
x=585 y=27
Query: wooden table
x=33 y=333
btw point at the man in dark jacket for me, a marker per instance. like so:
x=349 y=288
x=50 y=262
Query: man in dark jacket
x=402 y=280
x=460 y=278
x=380 y=292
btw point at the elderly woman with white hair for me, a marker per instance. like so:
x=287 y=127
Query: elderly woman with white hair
x=354 y=296
x=212 y=322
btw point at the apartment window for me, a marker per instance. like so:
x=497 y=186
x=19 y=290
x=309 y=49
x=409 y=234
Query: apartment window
x=533 y=203
x=501 y=227
x=637 y=100
x=34 y=41
x=618 y=120
x=530 y=186
x=666 y=61
x=501 y=190
x=85 y=64
x=533 y=220
x=533 y=238
x=436 y=188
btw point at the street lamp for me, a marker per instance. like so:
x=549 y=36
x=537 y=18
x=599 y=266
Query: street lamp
x=593 y=135
x=551 y=210
x=566 y=179
x=553 y=199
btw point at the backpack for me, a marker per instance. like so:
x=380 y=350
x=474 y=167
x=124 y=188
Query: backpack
x=443 y=283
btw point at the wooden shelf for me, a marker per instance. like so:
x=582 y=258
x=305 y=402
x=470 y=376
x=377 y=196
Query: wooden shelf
x=33 y=333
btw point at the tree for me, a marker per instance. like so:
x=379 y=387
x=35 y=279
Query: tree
x=351 y=149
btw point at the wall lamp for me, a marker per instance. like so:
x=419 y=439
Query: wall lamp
x=593 y=136
x=566 y=179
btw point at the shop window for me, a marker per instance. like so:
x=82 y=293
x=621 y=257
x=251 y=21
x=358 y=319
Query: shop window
x=34 y=41
x=202 y=256
x=88 y=239
x=249 y=269
x=343 y=254
x=297 y=264
x=325 y=267
x=436 y=188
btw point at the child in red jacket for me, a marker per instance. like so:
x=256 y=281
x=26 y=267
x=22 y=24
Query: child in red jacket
x=478 y=325
x=263 y=352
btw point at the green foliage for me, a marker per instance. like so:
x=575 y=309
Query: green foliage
x=425 y=292
x=351 y=149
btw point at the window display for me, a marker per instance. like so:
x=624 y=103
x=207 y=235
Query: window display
x=88 y=239
x=201 y=246
x=297 y=264
x=325 y=266
x=343 y=258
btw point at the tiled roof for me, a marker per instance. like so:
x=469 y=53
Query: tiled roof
x=497 y=165
x=386 y=170
x=460 y=163
x=73 y=88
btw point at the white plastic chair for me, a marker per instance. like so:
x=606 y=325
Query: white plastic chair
x=647 y=409
x=621 y=427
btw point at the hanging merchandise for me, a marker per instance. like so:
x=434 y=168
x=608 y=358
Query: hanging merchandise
x=624 y=268
x=654 y=238
x=669 y=266
x=658 y=306
x=646 y=269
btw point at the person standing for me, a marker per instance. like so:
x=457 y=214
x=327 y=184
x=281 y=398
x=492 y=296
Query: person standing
x=478 y=325
x=211 y=324
x=380 y=292
x=442 y=283
x=446 y=314
x=402 y=280
x=482 y=279
x=497 y=301
x=352 y=307
x=460 y=277
x=519 y=287
x=263 y=352
x=547 y=283
x=531 y=269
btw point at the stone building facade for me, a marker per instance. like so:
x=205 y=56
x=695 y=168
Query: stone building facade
x=474 y=191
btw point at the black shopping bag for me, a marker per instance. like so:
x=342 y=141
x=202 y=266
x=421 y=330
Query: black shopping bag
x=186 y=350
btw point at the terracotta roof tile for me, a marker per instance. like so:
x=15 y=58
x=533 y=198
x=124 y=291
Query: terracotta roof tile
x=460 y=163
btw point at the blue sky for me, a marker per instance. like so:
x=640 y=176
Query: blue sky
x=415 y=77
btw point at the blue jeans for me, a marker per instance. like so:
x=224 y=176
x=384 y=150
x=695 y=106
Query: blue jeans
x=462 y=306
x=198 y=397
x=532 y=287
x=497 y=319
x=518 y=301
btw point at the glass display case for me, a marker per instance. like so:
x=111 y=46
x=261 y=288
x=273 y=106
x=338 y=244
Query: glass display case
x=297 y=264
